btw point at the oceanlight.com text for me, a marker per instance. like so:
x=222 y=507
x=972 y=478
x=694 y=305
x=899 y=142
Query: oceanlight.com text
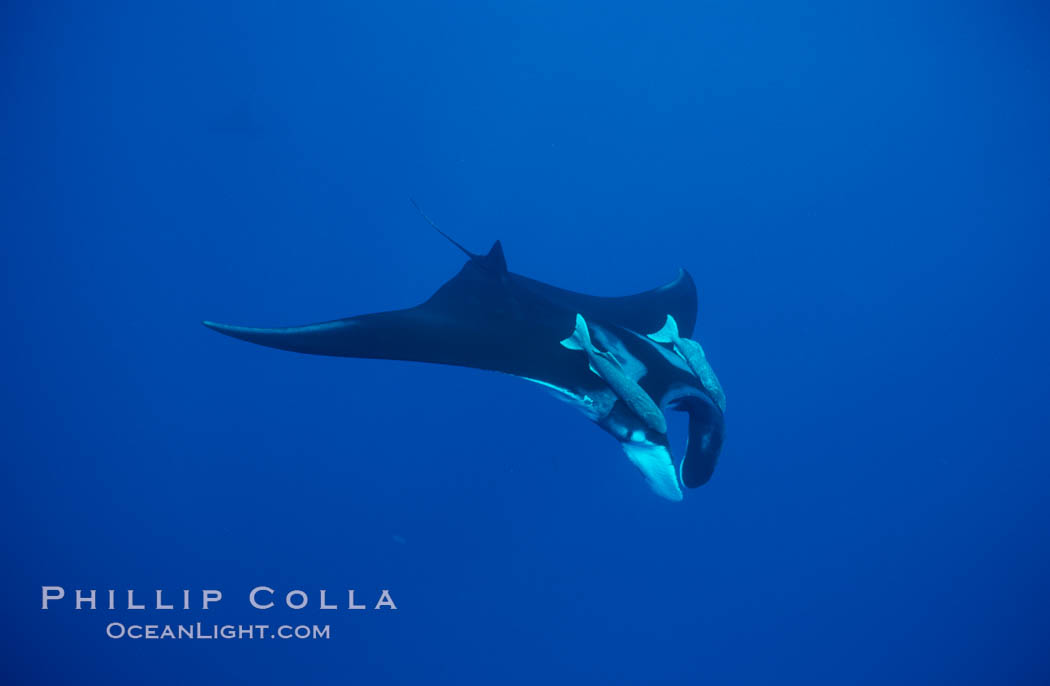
x=201 y=631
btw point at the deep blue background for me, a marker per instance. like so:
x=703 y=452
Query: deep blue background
x=860 y=190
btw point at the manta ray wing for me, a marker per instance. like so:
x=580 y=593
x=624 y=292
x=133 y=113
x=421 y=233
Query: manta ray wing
x=485 y=318
x=638 y=312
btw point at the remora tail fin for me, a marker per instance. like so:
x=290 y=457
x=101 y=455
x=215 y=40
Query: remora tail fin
x=668 y=333
x=580 y=338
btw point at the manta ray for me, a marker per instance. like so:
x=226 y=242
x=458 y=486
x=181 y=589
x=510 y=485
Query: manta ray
x=621 y=361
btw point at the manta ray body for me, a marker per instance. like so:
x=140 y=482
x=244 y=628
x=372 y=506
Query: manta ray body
x=594 y=352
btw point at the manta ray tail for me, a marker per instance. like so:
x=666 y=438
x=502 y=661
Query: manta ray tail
x=668 y=333
x=580 y=338
x=449 y=238
x=494 y=261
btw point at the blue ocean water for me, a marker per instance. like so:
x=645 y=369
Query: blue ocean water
x=859 y=190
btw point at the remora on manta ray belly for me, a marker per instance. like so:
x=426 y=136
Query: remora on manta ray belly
x=693 y=354
x=608 y=368
x=486 y=317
